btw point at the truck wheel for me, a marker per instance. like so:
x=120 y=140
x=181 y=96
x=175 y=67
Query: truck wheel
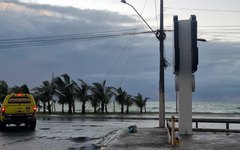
x=32 y=125
x=2 y=126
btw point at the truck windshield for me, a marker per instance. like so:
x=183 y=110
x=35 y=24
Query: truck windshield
x=19 y=100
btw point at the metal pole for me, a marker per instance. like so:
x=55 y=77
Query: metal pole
x=161 y=71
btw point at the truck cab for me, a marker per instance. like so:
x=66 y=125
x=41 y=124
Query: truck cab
x=18 y=109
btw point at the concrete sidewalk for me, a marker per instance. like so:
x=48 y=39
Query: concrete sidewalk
x=156 y=138
x=144 y=138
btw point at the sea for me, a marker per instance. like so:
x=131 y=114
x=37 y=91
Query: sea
x=170 y=106
x=200 y=109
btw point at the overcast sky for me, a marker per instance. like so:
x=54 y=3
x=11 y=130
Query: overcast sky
x=128 y=61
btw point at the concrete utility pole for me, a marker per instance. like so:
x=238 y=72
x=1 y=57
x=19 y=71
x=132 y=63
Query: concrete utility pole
x=160 y=36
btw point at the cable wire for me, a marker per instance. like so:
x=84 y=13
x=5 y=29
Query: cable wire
x=60 y=39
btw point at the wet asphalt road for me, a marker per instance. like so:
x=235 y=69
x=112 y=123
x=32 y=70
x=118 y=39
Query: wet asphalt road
x=66 y=133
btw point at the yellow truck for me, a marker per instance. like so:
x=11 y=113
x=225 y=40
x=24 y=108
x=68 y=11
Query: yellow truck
x=18 y=109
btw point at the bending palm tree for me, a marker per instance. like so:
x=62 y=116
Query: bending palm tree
x=140 y=102
x=64 y=90
x=102 y=94
x=107 y=97
x=21 y=89
x=24 y=89
x=82 y=93
x=3 y=90
x=128 y=102
x=94 y=101
x=120 y=97
x=44 y=93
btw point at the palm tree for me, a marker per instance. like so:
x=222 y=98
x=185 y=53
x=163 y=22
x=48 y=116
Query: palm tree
x=140 y=101
x=128 y=102
x=107 y=97
x=22 y=89
x=44 y=93
x=97 y=94
x=94 y=100
x=102 y=94
x=120 y=97
x=3 y=90
x=62 y=101
x=64 y=90
x=15 y=89
x=82 y=93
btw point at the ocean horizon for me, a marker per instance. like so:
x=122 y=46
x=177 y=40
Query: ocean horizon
x=170 y=106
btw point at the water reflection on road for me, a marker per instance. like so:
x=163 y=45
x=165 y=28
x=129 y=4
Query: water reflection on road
x=60 y=133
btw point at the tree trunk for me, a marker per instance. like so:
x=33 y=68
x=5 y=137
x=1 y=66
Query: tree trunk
x=70 y=107
x=102 y=107
x=74 y=107
x=106 y=109
x=62 y=108
x=122 y=108
x=49 y=107
x=141 y=110
x=44 y=107
x=95 y=109
x=83 y=108
x=127 y=111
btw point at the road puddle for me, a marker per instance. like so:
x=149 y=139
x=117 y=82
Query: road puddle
x=82 y=139
x=86 y=126
x=44 y=128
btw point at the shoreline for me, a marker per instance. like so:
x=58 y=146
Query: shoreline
x=136 y=116
x=134 y=113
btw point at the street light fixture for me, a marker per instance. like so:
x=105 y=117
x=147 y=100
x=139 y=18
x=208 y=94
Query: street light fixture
x=160 y=36
x=124 y=1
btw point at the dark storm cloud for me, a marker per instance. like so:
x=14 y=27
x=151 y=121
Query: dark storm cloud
x=218 y=75
x=91 y=60
x=129 y=61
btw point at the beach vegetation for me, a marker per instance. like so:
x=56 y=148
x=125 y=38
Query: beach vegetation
x=66 y=92
x=81 y=92
x=102 y=94
x=140 y=101
x=128 y=102
x=20 y=89
x=44 y=93
x=120 y=97
x=3 y=90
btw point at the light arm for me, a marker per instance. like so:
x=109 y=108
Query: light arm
x=124 y=1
